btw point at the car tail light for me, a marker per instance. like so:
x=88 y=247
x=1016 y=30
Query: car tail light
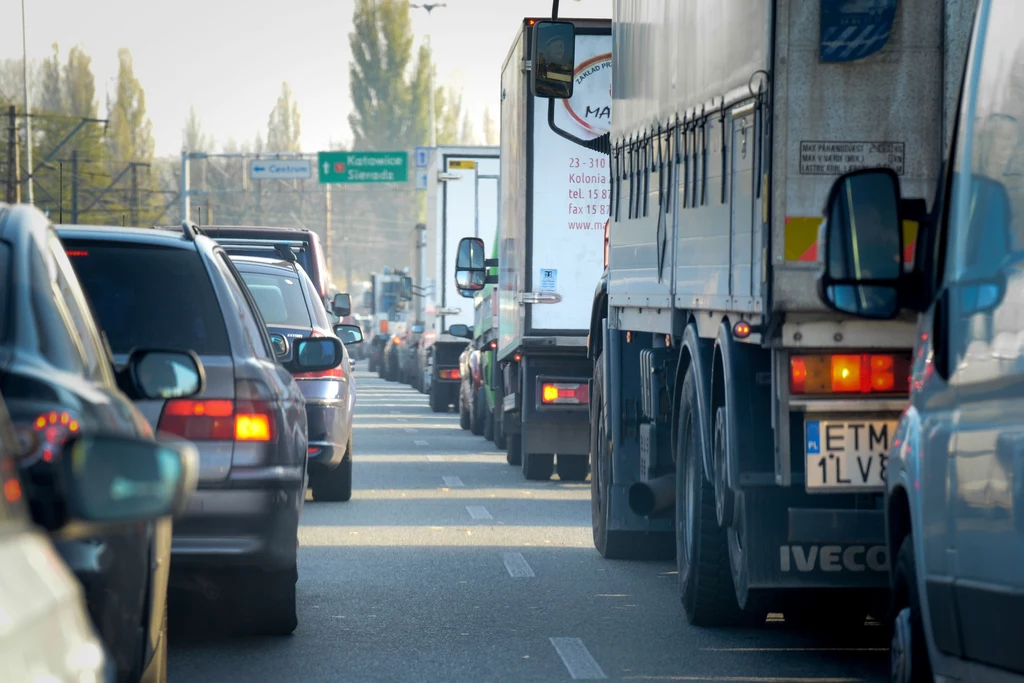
x=863 y=373
x=450 y=373
x=44 y=437
x=251 y=417
x=552 y=393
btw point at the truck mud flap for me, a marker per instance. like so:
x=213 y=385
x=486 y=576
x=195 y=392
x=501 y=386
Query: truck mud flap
x=791 y=545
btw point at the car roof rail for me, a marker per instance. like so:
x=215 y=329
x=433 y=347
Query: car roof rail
x=190 y=230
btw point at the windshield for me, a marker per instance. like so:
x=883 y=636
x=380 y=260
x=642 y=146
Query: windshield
x=279 y=298
x=150 y=296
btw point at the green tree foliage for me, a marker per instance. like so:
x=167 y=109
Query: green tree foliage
x=490 y=128
x=193 y=137
x=130 y=141
x=283 y=128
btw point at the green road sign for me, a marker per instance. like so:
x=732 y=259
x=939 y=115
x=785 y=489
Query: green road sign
x=363 y=167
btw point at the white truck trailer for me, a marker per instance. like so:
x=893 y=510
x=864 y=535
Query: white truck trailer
x=462 y=201
x=554 y=203
x=733 y=416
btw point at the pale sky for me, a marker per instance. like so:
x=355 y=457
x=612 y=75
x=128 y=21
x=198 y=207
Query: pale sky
x=228 y=58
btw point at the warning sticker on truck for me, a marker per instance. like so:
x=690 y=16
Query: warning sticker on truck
x=837 y=158
x=549 y=279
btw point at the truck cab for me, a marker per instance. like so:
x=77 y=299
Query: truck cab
x=954 y=504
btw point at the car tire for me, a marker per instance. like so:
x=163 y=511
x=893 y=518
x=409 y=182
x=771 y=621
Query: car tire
x=908 y=649
x=476 y=420
x=334 y=485
x=266 y=602
x=573 y=467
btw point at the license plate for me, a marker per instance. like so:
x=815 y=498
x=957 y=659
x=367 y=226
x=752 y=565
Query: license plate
x=847 y=455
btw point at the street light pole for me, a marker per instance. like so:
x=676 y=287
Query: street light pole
x=28 y=117
x=430 y=7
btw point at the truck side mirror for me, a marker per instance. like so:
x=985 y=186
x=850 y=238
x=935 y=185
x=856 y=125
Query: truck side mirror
x=470 y=268
x=460 y=330
x=553 y=61
x=342 y=305
x=861 y=244
x=406 y=294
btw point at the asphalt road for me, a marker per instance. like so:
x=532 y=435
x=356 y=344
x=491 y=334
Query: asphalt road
x=447 y=565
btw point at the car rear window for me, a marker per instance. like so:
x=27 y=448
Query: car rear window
x=279 y=299
x=302 y=255
x=150 y=296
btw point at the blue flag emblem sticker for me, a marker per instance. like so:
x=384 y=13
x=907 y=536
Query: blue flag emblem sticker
x=855 y=29
x=813 y=430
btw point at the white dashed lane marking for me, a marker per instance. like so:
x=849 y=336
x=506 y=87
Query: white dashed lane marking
x=517 y=566
x=420 y=442
x=478 y=512
x=452 y=482
x=577 y=659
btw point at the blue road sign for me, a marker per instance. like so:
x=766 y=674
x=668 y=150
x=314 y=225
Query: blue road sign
x=855 y=29
x=422 y=155
x=421 y=178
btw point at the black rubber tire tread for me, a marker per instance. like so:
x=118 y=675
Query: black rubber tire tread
x=265 y=603
x=334 y=485
x=464 y=419
x=904 y=594
x=615 y=545
x=514 y=450
x=488 y=419
x=708 y=594
x=538 y=466
x=573 y=467
x=476 y=418
x=500 y=440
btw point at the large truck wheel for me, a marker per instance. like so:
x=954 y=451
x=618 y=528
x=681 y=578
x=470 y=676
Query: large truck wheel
x=488 y=420
x=573 y=467
x=702 y=553
x=464 y=420
x=500 y=442
x=514 y=450
x=437 y=404
x=476 y=418
x=538 y=466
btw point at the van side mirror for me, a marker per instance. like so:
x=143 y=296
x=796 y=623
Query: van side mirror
x=861 y=245
x=471 y=267
x=553 y=60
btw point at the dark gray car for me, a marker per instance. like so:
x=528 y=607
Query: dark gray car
x=249 y=424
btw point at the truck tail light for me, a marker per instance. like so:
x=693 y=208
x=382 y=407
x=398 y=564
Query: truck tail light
x=552 y=393
x=863 y=373
x=450 y=373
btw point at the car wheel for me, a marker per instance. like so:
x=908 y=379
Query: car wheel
x=908 y=651
x=335 y=485
x=476 y=420
x=573 y=467
x=266 y=602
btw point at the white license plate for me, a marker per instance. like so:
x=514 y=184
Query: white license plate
x=847 y=455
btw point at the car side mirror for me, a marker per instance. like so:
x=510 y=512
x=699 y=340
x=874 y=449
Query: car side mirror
x=162 y=374
x=342 y=305
x=459 y=330
x=348 y=334
x=316 y=354
x=115 y=479
x=862 y=245
x=470 y=266
x=280 y=344
x=553 y=59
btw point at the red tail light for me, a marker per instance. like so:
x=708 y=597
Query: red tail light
x=552 y=393
x=218 y=420
x=863 y=373
x=333 y=373
x=451 y=373
x=45 y=436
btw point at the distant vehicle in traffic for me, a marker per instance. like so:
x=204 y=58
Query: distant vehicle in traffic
x=292 y=310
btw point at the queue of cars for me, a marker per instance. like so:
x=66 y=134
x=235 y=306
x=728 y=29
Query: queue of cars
x=150 y=419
